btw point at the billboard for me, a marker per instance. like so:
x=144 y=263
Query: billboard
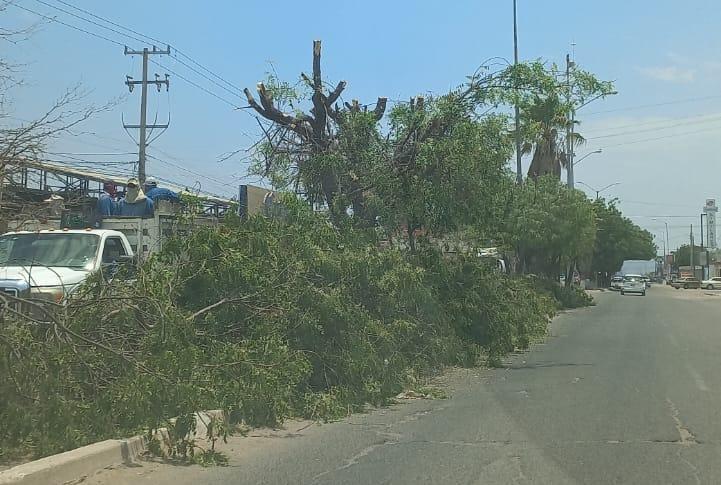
x=710 y=209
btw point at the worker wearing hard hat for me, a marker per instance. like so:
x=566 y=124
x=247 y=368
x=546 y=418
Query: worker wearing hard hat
x=135 y=203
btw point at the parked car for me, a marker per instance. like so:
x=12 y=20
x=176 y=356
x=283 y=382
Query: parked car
x=712 y=283
x=51 y=264
x=617 y=283
x=633 y=283
x=686 y=283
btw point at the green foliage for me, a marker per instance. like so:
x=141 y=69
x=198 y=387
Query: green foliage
x=546 y=99
x=566 y=297
x=447 y=167
x=550 y=226
x=499 y=313
x=618 y=239
x=264 y=319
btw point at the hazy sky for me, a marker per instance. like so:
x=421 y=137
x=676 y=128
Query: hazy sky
x=659 y=135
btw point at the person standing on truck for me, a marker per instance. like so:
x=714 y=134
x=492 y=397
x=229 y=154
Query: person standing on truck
x=106 y=205
x=135 y=203
x=155 y=193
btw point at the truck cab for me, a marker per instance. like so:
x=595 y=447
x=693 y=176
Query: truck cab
x=50 y=264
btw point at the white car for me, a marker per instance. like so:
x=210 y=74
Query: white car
x=712 y=283
x=633 y=283
x=617 y=283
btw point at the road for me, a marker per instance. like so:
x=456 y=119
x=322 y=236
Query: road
x=626 y=392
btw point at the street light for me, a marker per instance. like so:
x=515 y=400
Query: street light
x=586 y=156
x=668 y=243
x=571 y=125
x=610 y=93
x=598 y=191
x=663 y=238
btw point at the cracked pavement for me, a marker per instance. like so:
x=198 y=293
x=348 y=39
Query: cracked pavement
x=626 y=392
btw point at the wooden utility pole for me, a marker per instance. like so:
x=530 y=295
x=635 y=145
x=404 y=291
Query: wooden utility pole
x=143 y=126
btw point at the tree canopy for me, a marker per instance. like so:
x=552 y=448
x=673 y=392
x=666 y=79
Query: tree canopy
x=550 y=226
x=618 y=239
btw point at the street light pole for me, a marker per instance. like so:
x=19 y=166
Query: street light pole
x=569 y=127
x=586 y=156
x=668 y=242
x=519 y=167
x=598 y=191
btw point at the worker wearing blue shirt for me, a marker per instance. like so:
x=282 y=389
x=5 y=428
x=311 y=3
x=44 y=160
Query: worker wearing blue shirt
x=106 y=206
x=135 y=203
x=156 y=193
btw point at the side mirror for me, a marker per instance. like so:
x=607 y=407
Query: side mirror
x=126 y=259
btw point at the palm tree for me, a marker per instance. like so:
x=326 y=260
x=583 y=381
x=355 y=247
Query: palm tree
x=545 y=122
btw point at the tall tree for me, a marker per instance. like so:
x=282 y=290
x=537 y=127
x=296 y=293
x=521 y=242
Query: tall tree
x=546 y=100
x=550 y=226
x=447 y=167
x=618 y=239
x=313 y=145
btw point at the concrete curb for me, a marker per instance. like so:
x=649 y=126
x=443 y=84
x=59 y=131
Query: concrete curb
x=74 y=465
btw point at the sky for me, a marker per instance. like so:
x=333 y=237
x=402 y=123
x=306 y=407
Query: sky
x=658 y=135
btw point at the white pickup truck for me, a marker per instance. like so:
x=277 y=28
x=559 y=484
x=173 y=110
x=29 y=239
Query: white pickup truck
x=50 y=264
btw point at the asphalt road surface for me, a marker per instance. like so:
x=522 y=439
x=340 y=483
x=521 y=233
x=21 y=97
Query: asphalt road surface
x=626 y=392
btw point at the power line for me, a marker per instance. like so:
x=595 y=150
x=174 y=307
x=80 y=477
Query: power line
x=236 y=89
x=640 y=106
x=93 y=154
x=664 y=204
x=180 y=76
x=111 y=22
x=152 y=39
x=656 y=122
x=53 y=19
x=207 y=70
x=89 y=21
x=647 y=130
x=99 y=36
x=661 y=137
x=187 y=170
x=206 y=77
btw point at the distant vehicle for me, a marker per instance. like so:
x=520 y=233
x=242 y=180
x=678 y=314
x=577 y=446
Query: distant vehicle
x=686 y=283
x=633 y=283
x=712 y=283
x=617 y=283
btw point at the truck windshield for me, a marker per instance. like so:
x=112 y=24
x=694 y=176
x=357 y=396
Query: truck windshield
x=69 y=250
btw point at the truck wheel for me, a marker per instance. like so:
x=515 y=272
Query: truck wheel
x=643 y=294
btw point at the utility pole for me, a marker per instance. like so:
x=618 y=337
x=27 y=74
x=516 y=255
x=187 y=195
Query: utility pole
x=665 y=258
x=693 y=268
x=702 y=230
x=143 y=126
x=703 y=270
x=570 y=127
x=519 y=167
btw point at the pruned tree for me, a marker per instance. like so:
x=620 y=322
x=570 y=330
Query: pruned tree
x=312 y=144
